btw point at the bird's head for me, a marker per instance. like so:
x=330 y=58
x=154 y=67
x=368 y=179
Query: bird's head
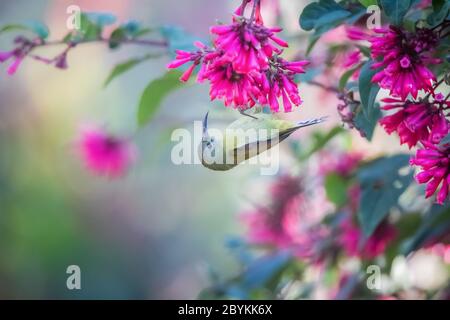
x=208 y=142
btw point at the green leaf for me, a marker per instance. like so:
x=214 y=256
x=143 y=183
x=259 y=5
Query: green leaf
x=154 y=93
x=368 y=90
x=441 y=11
x=122 y=68
x=368 y=3
x=346 y=76
x=261 y=271
x=434 y=223
x=13 y=27
x=395 y=9
x=365 y=124
x=38 y=28
x=381 y=185
x=323 y=14
x=116 y=37
x=336 y=189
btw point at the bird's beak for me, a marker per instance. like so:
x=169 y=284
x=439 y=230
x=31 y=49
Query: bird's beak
x=205 y=124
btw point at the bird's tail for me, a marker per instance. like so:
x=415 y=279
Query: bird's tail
x=310 y=122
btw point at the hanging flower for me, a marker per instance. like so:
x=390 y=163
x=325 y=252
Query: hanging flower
x=403 y=60
x=415 y=121
x=434 y=161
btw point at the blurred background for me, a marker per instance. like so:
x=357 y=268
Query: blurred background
x=153 y=234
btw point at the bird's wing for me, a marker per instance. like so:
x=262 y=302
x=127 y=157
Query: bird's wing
x=254 y=147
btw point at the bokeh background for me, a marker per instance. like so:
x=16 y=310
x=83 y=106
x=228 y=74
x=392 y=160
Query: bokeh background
x=153 y=234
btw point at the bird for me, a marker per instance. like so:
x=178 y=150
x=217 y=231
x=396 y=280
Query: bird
x=245 y=138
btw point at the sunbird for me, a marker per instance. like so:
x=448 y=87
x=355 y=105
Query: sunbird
x=245 y=138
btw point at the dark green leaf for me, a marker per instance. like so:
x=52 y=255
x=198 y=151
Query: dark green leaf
x=116 y=37
x=336 y=189
x=261 y=271
x=154 y=93
x=367 y=124
x=346 y=76
x=381 y=185
x=440 y=12
x=433 y=224
x=368 y=90
x=321 y=14
x=395 y=9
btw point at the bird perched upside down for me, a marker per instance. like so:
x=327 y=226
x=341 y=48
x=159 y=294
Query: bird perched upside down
x=245 y=138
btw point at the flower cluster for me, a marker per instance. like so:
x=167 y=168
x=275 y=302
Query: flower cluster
x=403 y=59
x=104 y=154
x=403 y=62
x=284 y=223
x=244 y=66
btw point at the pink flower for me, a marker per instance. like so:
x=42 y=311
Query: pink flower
x=404 y=59
x=104 y=154
x=233 y=88
x=17 y=60
x=415 y=121
x=341 y=163
x=352 y=59
x=278 y=82
x=351 y=239
x=284 y=222
x=247 y=43
x=244 y=66
x=435 y=163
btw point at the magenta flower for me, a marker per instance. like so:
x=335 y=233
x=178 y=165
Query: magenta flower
x=104 y=154
x=351 y=239
x=248 y=45
x=403 y=59
x=278 y=82
x=17 y=60
x=415 y=121
x=434 y=161
x=237 y=89
x=244 y=66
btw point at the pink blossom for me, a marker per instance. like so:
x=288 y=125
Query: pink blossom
x=351 y=239
x=404 y=60
x=244 y=66
x=434 y=161
x=104 y=154
x=278 y=83
x=247 y=44
x=17 y=60
x=233 y=88
x=284 y=224
x=341 y=163
x=415 y=121
x=352 y=59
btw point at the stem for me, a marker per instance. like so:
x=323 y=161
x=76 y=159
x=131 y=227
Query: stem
x=155 y=43
x=434 y=88
x=256 y=4
x=320 y=85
